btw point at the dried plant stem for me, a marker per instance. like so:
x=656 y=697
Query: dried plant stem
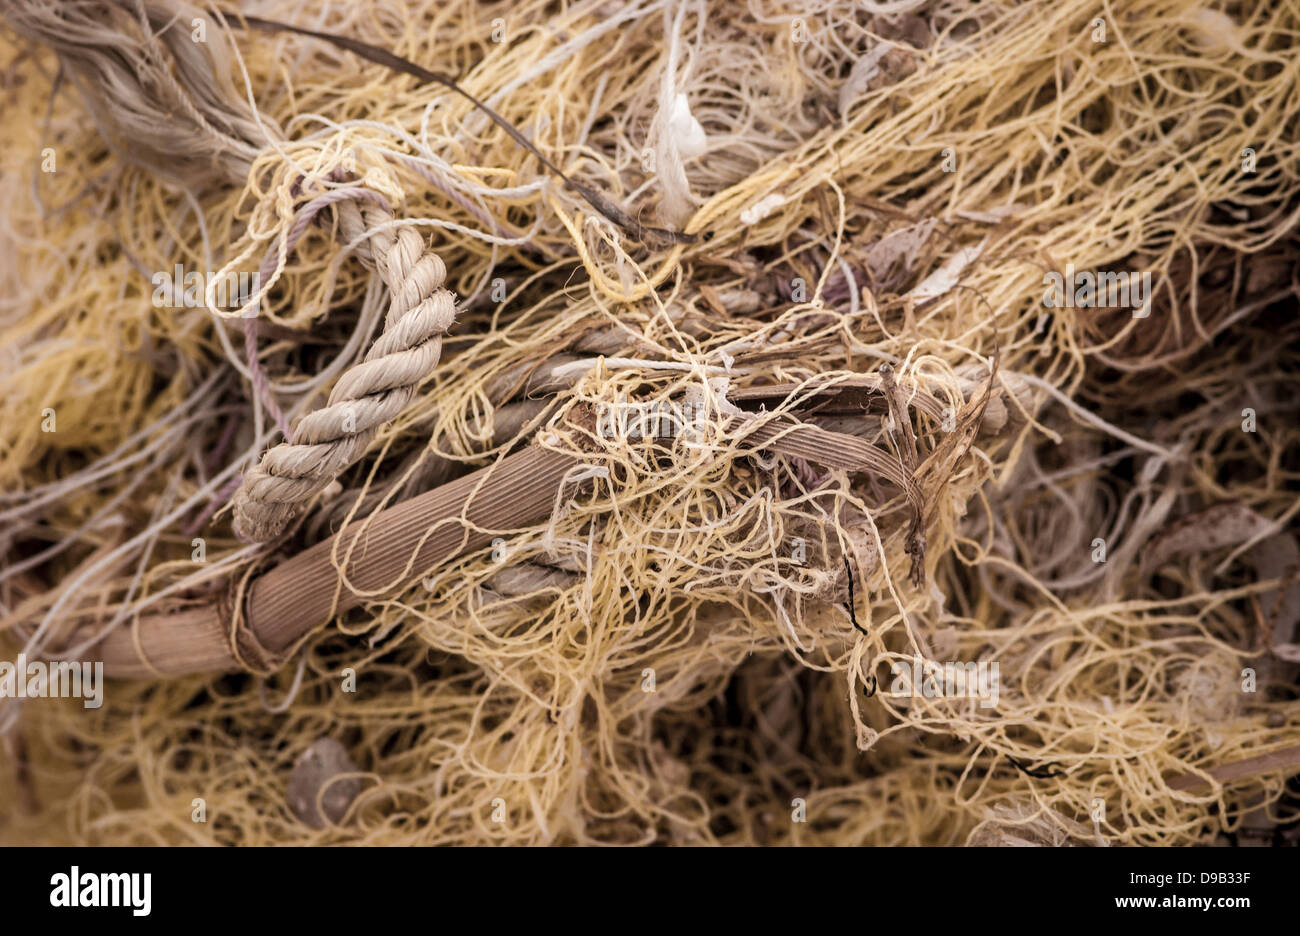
x=298 y=596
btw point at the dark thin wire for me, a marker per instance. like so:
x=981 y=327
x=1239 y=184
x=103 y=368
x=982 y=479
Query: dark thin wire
x=1039 y=773
x=849 y=604
x=633 y=227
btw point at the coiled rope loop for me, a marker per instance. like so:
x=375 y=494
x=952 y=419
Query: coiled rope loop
x=369 y=393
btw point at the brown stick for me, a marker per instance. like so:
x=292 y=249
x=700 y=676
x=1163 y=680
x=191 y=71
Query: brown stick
x=299 y=595
x=1282 y=759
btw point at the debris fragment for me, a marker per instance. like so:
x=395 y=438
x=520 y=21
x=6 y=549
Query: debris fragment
x=319 y=792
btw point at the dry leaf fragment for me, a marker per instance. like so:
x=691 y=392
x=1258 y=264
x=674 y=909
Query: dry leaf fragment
x=902 y=245
x=1223 y=525
x=945 y=278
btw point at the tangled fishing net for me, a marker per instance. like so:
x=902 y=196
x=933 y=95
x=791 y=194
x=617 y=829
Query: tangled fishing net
x=813 y=238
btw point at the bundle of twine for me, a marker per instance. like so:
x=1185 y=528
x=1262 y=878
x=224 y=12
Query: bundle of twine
x=403 y=583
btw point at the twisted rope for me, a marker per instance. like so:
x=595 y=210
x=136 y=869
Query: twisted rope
x=369 y=393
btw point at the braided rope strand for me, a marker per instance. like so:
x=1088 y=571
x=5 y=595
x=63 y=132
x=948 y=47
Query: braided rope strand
x=371 y=392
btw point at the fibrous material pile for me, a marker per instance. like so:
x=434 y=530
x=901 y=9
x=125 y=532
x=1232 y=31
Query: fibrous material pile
x=691 y=500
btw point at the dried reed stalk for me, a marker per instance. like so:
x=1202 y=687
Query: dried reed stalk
x=288 y=602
